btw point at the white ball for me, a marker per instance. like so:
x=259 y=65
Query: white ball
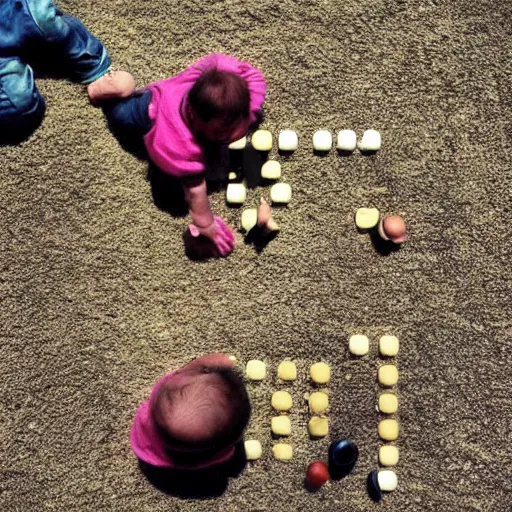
x=248 y=219
x=236 y=193
x=288 y=140
x=322 y=140
x=261 y=140
x=238 y=144
x=252 y=449
x=281 y=193
x=371 y=141
x=271 y=170
x=347 y=140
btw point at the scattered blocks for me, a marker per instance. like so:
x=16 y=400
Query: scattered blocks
x=346 y=140
x=256 y=370
x=282 y=451
x=388 y=346
x=281 y=425
x=358 y=345
x=261 y=140
x=249 y=219
x=236 y=193
x=252 y=449
x=322 y=140
x=388 y=375
x=318 y=426
x=320 y=373
x=371 y=141
x=282 y=401
x=388 y=403
x=288 y=140
x=287 y=371
x=318 y=402
x=389 y=429
x=367 y=218
x=388 y=455
x=238 y=144
x=271 y=170
x=280 y=193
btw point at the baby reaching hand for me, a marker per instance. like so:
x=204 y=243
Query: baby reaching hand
x=212 y=103
x=194 y=416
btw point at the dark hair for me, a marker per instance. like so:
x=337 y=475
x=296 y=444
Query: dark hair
x=220 y=95
x=233 y=388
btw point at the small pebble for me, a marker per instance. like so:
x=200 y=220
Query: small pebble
x=388 y=375
x=287 y=370
x=261 y=140
x=318 y=426
x=318 y=402
x=358 y=344
x=256 y=370
x=388 y=346
x=252 y=449
x=282 y=451
x=389 y=429
x=388 y=403
x=281 y=425
x=388 y=455
x=282 y=401
x=320 y=373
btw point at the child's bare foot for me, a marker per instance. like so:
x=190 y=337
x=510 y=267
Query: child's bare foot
x=265 y=220
x=114 y=84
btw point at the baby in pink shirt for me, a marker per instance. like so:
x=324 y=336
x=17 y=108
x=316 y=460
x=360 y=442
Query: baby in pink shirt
x=213 y=102
x=194 y=416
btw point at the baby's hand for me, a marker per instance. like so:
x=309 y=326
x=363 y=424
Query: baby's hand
x=219 y=233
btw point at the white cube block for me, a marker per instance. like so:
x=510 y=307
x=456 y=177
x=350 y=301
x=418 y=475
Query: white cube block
x=388 y=346
x=371 y=141
x=388 y=481
x=322 y=140
x=271 y=170
x=261 y=140
x=281 y=193
x=236 y=193
x=367 y=218
x=288 y=140
x=252 y=449
x=238 y=144
x=256 y=370
x=346 y=140
x=358 y=344
x=249 y=219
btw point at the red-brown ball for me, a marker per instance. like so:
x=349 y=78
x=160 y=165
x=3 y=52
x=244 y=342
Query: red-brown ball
x=317 y=474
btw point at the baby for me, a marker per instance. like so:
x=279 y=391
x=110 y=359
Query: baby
x=212 y=103
x=194 y=416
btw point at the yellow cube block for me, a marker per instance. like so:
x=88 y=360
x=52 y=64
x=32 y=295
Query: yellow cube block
x=256 y=370
x=281 y=425
x=389 y=429
x=388 y=403
x=318 y=402
x=388 y=455
x=287 y=371
x=318 y=426
x=282 y=451
x=320 y=373
x=282 y=401
x=388 y=346
x=388 y=375
x=252 y=449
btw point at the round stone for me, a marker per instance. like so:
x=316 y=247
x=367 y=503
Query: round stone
x=389 y=429
x=358 y=345
x=388 y=375
x=320 y=373
x=318 y=402
x=388 y=403
x=282 y=401
x=388 y=480
x=287 y=370
x=388 y=455
x=388 y=346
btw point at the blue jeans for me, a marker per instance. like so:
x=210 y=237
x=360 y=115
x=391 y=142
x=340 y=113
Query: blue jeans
x=35 y=30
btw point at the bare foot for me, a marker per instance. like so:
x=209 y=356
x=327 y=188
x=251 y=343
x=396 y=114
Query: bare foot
x=115 y=84
x=265 y=220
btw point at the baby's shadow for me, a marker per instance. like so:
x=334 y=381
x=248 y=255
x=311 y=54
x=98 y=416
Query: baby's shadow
x=196 y=483
x=383 y=247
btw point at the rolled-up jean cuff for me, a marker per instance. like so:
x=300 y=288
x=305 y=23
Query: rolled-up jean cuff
x=99 y=71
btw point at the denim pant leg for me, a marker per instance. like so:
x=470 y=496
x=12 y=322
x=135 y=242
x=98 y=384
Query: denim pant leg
x=80 y=56
x=21 y=106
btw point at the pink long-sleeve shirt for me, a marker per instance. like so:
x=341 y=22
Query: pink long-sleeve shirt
x=170 y=143
x=149 y=446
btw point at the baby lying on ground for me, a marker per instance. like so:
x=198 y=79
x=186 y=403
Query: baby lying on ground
x=194 y=416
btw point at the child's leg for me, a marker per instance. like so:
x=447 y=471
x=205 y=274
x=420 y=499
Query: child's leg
x=21 y=106
x=80 y=56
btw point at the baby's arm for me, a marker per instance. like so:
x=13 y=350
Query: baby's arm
x=204 y=222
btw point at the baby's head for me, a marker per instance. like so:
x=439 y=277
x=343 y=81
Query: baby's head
x=201 y=410
x=218 y=107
